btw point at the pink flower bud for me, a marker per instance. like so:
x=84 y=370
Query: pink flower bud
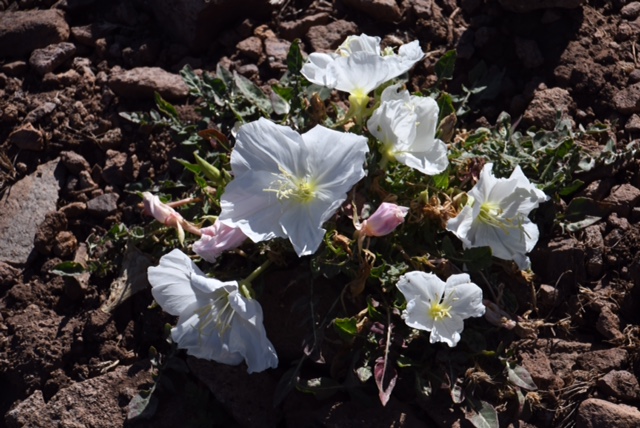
x=161 y=212
x=384 y=221
x=217 y=239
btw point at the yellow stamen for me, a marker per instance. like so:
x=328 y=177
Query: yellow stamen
x=286 y=186
x=440 y=311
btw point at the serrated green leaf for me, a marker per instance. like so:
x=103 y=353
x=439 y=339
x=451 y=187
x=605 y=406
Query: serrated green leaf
x=441 y=181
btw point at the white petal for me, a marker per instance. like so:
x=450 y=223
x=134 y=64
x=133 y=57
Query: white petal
x=302 y=224
x=462 y=225
x=360 y=72
x=447 y=330
x=428 y=286
x=430 y=162
x=410 y=54
x=483 y=187
x=531 y=233
x=246 y=205
x=264 y=146
x=315 y=69
x=416 y=314
x=248 y=336
x=204 y=343
x=171 y=282
x=335 y=159
x=465 y=299
x=393 y=93
x=503 y=245
x=361 y=43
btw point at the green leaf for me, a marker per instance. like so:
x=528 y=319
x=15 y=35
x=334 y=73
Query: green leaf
x=225 y=76
x=586 y=222
x=477 y=258
x=485 y=417
x=571 y=188
x=210 y=171
x=194 y=168
x=445 y=65
x=68 y=269
x=445 y=103
x=441 y=181
x=165 y=107
x=519 y=376
x=295 y=61
x=581 y=207
x=346 y=326
x=280 y=105
x=253 y=94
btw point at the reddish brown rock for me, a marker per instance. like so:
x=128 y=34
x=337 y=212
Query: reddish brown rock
x=25 y=207
x=624 y=198
x=627 y=100
x=325 y=38
x=23 y=31
x=596 y=413
x=620 y=384
x=47 y=59
x=251 y=47
x=545 y=106
x=523 y=6
x=142 y=82
x=380 y=10
x=27 y=138
x=296 y=29
x=538 y=365
x=604 y=360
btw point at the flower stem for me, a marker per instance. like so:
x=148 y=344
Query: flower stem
x=245 y=284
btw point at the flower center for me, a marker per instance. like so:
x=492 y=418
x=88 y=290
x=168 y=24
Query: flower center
x=286 y=186
x=490 y=214
x=440 y=311
x=215 y=316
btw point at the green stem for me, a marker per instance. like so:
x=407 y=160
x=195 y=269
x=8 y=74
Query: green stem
x=245 y=284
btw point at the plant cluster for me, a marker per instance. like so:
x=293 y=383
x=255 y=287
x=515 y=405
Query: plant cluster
x=379 y=194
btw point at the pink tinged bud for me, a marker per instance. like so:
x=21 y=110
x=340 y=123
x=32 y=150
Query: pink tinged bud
x=384 y=221
x=217 y=239
x=161 y=212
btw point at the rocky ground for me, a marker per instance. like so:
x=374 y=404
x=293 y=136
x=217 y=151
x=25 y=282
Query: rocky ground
x=74 y=351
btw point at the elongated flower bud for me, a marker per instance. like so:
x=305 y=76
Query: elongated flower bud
x=385 y=220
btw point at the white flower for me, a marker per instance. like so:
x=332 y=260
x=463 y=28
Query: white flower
x=216 y=322
x=287 y=185
x=358 y=67
x=217 y=239
x=496 y=216
x=406 y=127
x=440 y=307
